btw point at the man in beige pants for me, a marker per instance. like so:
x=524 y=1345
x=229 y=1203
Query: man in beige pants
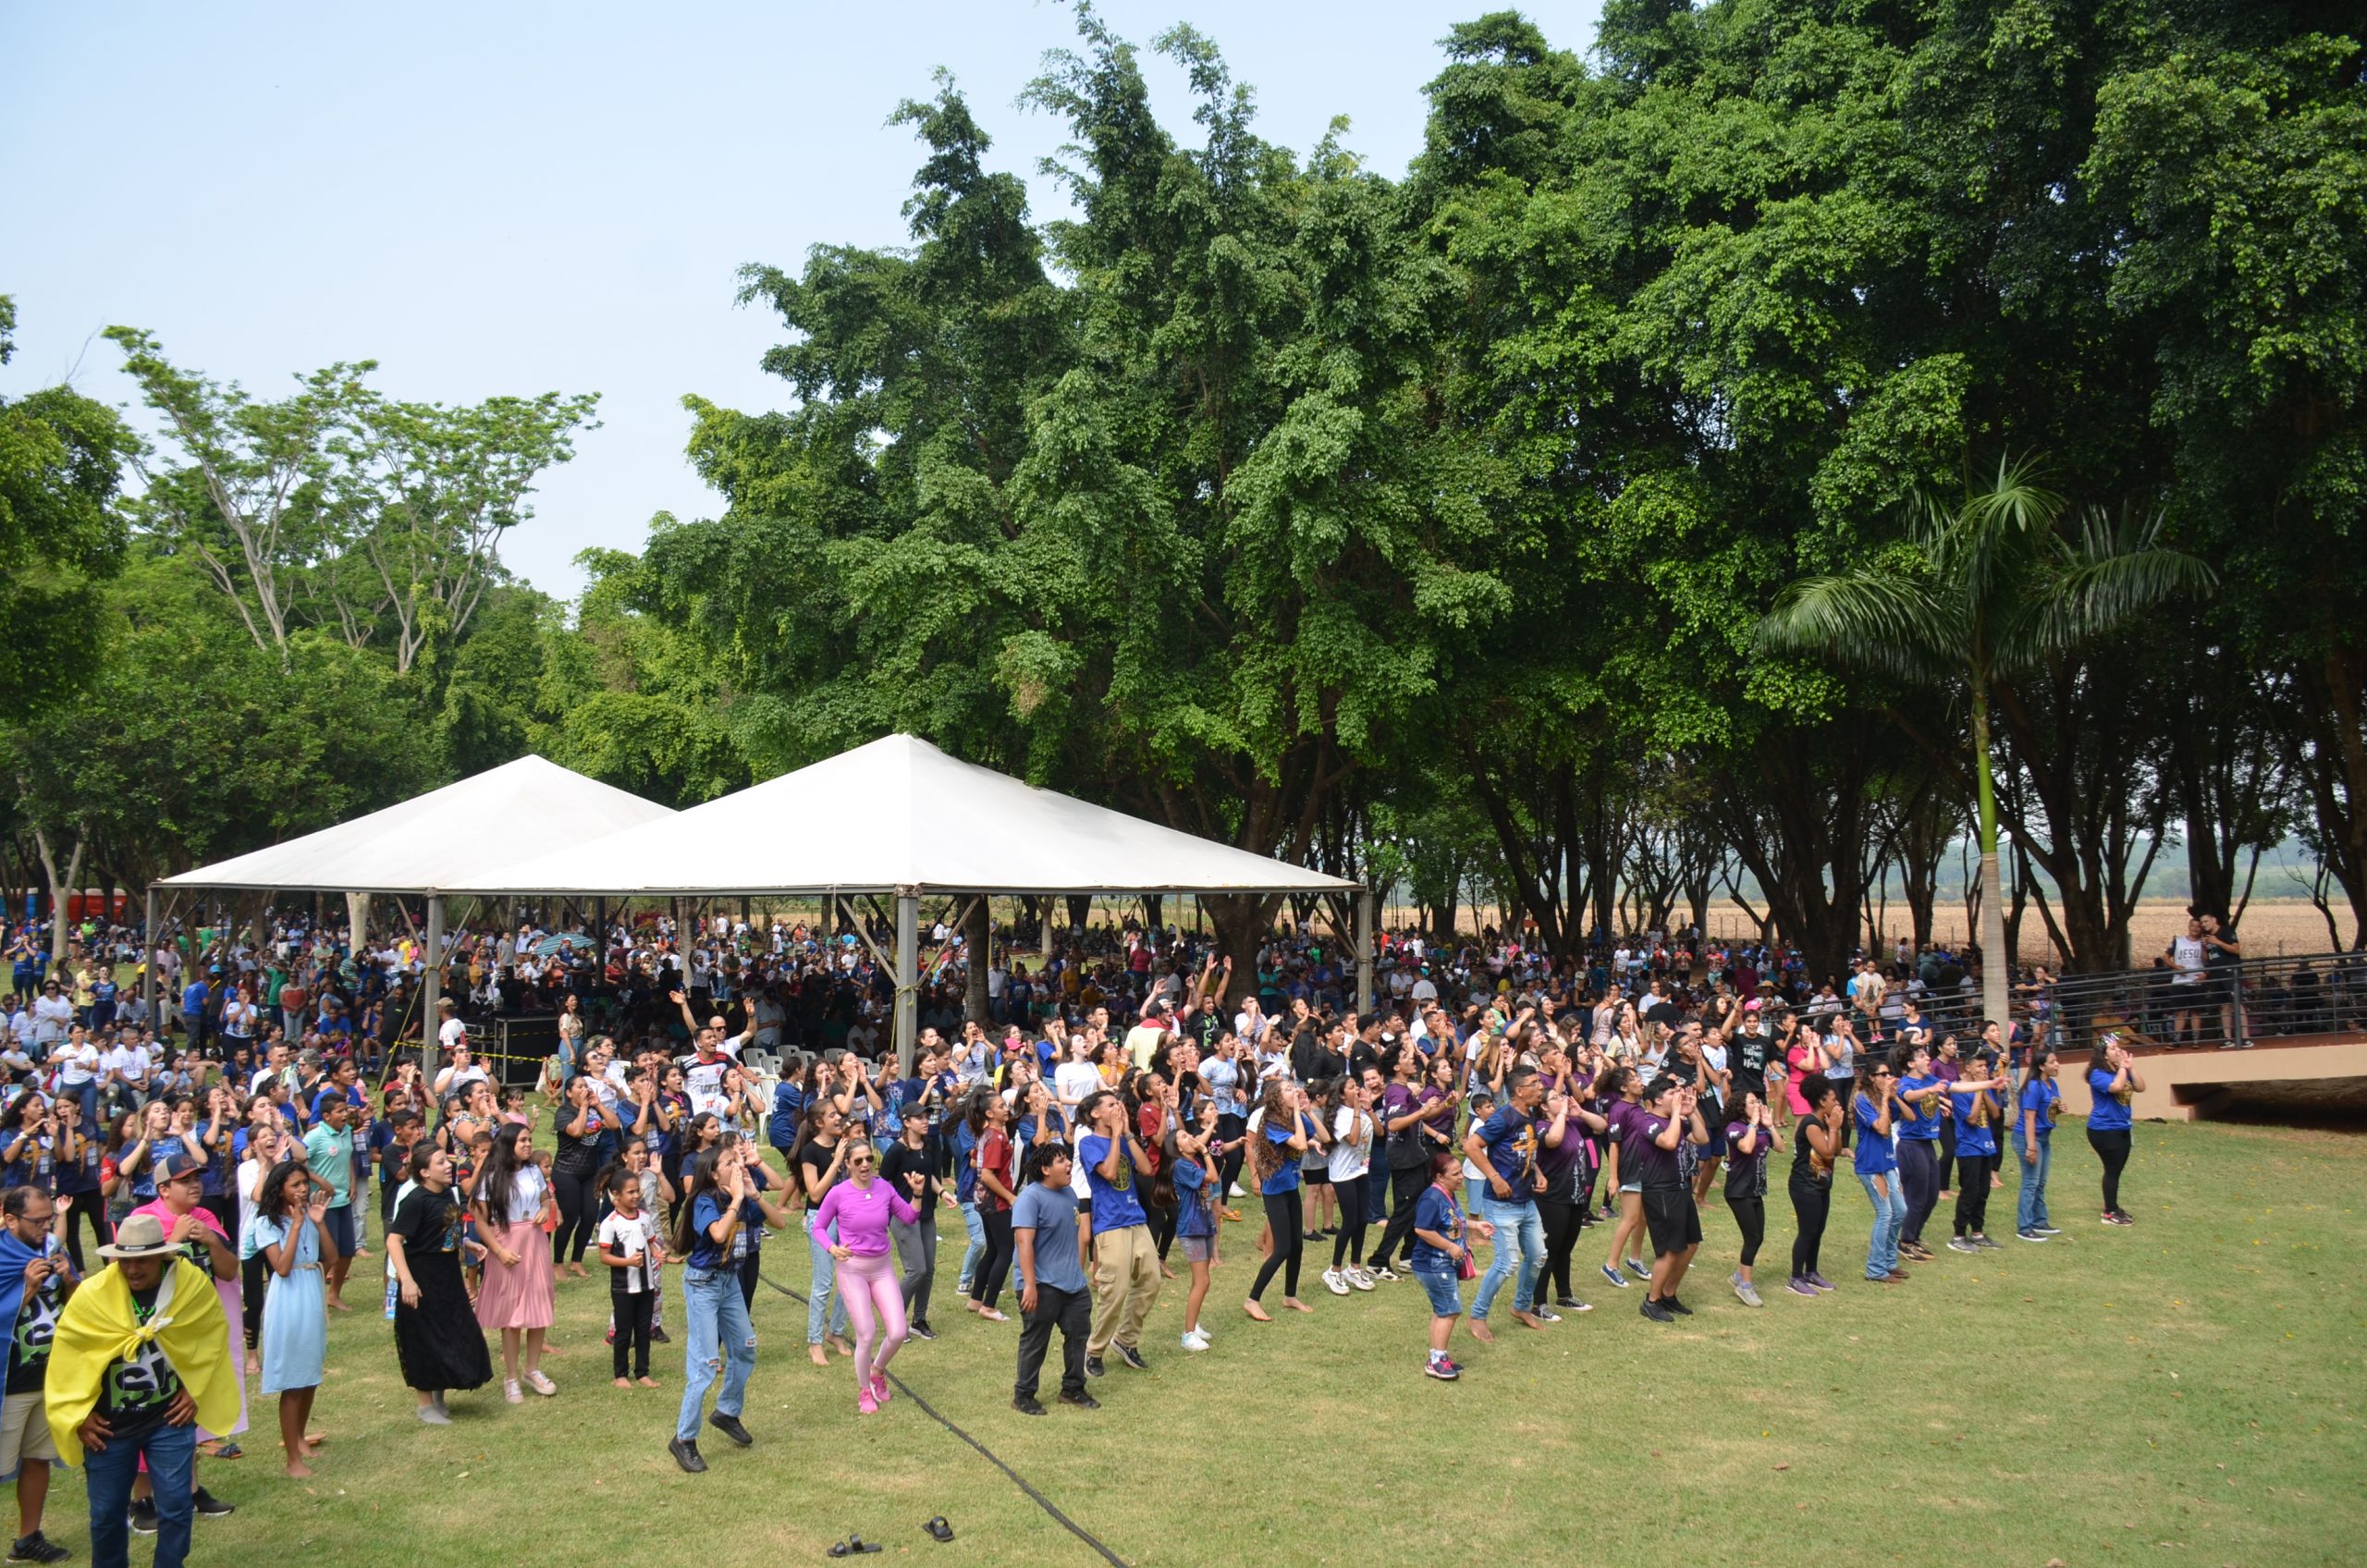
x=1125 y=1262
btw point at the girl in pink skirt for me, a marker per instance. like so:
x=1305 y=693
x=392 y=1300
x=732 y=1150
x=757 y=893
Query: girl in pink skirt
x=513 y=1203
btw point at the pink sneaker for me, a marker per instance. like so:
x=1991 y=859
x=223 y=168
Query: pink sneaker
x=880 y=1392
x=866 y=1403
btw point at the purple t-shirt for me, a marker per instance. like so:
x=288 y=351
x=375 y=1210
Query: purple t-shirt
x=1644 y=1162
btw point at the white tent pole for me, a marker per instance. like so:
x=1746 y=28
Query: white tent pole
x=908 y=944
x=1366 y=1002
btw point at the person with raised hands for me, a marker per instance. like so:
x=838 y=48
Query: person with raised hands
x=720 y=1199
x=1667 y=1118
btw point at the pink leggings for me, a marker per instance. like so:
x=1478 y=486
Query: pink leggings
x=874 y=1299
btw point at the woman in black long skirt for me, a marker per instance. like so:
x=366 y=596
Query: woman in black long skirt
x=437 y=1339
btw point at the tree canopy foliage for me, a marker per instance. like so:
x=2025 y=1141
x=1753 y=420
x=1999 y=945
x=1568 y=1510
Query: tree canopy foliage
x=1425 y=527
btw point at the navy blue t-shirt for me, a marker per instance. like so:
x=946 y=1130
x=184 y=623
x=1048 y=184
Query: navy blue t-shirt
x=1510 y=1135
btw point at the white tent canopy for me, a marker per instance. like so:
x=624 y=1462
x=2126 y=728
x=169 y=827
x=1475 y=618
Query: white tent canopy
x=445 y=837
x=896 y=816
x=899 y=816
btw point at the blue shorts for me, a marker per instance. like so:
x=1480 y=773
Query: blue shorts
x=1716 y=1146
x=1445 y=1290
x=338 y=1224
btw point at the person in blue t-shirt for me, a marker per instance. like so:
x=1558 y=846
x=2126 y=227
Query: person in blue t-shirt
x=1440 y=1255
x=2033 y=1141
x=722 y=1197
x=1878 y=1110
x=2112 y=1083
x=1925 y=1097
x=1286 y=1127
x=1188 y=1164
x=1125 y=1260
x=1053 y=1291
x=1503 y=1146
x=1976 y=1103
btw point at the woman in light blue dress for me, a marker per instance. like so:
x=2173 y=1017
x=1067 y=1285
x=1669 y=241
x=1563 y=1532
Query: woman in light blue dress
x=289 y=1233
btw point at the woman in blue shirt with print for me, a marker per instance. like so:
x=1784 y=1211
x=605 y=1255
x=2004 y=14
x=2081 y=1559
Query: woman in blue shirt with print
x=1878 y=1109
x=2112 y=1082
x=1440 y=1255
x=2033 y=1141
x=1275 y=1149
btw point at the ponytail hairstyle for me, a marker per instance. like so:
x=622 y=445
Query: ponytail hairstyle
x=698 y=1176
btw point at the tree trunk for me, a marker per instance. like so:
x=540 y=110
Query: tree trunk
x=59 y=893
x=1080 y=910
x=1242 y=921
x=357 y=921
x=977 y=938
x=1995 y=987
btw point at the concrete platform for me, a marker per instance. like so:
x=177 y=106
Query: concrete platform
x=2315 y=1072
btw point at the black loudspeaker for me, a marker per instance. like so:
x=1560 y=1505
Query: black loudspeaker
x=522 y=1045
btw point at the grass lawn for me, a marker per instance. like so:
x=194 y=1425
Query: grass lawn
x=2188 y=1390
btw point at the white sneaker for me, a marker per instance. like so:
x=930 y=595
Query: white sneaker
x=1334 y=1283
x=1360 y=1278
x=1195 y=1341
x=1237 y=1192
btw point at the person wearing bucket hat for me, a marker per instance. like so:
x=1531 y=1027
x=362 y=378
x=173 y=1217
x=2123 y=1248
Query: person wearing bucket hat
x=178 y=1207
x=139 y=1358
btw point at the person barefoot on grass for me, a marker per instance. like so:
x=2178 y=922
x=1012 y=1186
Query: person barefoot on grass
x=1276 y=1147
x=291 y=1233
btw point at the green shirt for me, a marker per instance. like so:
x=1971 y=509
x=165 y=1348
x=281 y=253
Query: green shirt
x=329 y=1154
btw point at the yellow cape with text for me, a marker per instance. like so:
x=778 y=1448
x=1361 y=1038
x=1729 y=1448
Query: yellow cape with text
x=99 y=1329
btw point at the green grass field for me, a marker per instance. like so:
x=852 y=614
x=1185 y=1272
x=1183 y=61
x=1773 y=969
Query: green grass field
x=2188 y=1390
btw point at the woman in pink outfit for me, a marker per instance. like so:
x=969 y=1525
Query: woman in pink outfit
x=861 y=1206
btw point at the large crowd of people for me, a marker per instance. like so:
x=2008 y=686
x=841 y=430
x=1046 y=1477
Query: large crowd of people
x=1126 y=1115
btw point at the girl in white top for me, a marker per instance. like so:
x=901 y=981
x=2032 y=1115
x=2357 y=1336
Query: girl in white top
x=1350 y=1114
x=262 y=1152
x=1074 y=1076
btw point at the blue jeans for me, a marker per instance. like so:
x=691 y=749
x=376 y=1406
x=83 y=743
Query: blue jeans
x=976 y=1252
x=1442 y=1287
x=1890 y=1214
x=108 y=1474
x=718 y=1333
x=2031 y=1211
x=1520 y=1239
x=822 y=1296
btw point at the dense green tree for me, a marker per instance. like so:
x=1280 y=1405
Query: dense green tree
x=62 y=533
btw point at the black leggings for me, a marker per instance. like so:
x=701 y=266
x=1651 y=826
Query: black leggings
x=1947 y=1155
x=1162 y=1226
x=630 y=1310
x=1404 y=1187
x=2111 y=1148
x=92 y=1205
x=254 y=1274
x=1560 y=1216
x=1229 y=1130
x=1751 y=1217
x=579 y=1206
x=1283 y=1217
x=1810 y=1206
x=995 y=1266
x=1350 y=1241
x=1919 y=1174
x=1973 y=1193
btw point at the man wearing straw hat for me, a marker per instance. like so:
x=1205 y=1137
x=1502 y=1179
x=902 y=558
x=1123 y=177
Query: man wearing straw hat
x=140 y=1355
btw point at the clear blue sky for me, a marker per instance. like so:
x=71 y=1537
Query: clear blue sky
x=516 y=199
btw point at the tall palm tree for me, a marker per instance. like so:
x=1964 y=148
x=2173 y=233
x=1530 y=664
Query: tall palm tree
x=1992 y=583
